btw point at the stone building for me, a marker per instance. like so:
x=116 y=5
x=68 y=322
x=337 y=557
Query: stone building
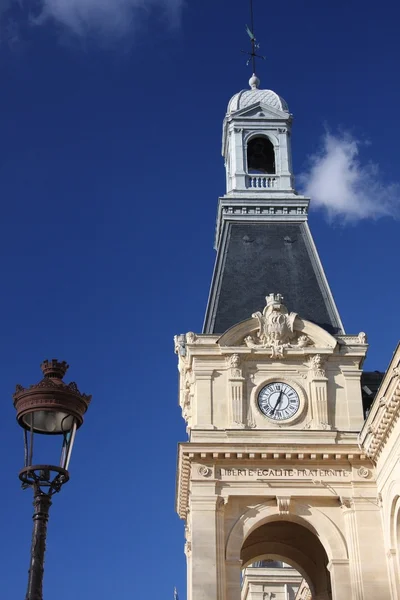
x=280 y=463
x=270 y=580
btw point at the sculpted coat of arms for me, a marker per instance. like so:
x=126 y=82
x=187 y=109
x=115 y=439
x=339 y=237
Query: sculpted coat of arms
x=276 y=328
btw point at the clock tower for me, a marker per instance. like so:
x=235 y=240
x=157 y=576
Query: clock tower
x=271 y=392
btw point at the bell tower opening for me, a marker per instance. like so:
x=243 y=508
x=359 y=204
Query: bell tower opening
x=260 y=156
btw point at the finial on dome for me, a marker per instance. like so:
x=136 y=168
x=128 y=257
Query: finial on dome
x=254 y=82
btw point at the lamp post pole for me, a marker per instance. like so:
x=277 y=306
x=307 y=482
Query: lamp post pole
x=50 y=407
x=41 y=503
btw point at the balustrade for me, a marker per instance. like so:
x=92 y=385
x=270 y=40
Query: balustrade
x=261 y=182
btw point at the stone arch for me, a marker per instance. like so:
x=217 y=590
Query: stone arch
x=301 y=563
x=269 y=135
x=391 y=511
x=391 y=525
x=306 y=515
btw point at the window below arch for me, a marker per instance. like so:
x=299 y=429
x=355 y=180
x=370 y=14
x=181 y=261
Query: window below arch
x=260 y=156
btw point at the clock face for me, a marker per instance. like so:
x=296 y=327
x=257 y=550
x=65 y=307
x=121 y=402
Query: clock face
x=278 y=401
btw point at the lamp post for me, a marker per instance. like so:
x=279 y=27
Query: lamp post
x=50 y=407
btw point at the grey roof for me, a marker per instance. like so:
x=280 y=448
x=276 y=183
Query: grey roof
x=256 y=259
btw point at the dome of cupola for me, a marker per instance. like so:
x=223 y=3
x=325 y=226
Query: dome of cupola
x=254 y=95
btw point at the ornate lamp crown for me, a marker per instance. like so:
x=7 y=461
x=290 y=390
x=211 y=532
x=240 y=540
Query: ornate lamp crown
x=51 y=394
x=54 y=369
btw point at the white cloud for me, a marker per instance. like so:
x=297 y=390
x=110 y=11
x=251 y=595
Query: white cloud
x=340 y=183
x=81 y=17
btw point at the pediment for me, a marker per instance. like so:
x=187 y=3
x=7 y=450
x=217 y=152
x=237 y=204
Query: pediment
x=318 y=337
x=277 y=330
x=260 y=110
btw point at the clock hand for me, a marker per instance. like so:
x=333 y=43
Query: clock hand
x=277 y=402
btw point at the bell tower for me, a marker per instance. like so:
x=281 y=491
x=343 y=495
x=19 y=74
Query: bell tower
x=271 y=392
x=256 y=144
x=263 y=241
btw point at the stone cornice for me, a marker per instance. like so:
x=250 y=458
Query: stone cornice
x=385 y=411
x=265 y=455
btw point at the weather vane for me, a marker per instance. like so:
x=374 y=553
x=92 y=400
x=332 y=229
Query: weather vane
x=254 y=44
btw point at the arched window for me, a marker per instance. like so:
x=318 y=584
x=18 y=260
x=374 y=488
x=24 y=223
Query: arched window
x=260 y=156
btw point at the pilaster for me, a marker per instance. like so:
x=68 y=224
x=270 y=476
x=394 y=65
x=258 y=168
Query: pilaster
x=203 y=400
x=352 y=375
x=368 y=566
x=340 y=579
x=233 y=570
x=207 y=549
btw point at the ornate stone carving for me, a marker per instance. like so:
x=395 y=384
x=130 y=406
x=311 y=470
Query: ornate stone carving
x=346 y=503
x=204 y=471
x=363 y=472
x=191 y=337
x=186 y=396
x=362 y=337
x=234 y=364
x=283 y=503
x=236 y=392
x=275 y=328
x=188 y=535
x=180 y=345
x=316 y=365
x=378 y=431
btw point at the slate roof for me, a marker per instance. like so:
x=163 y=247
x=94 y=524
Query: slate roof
x=256 y=259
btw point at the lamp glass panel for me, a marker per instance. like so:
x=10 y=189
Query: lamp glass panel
x=49 y=421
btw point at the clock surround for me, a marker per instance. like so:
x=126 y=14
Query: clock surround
x=297 y=394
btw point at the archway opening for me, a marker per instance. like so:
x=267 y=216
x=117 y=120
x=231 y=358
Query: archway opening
x=275 y=580
x=260 y=156
x=294 y=549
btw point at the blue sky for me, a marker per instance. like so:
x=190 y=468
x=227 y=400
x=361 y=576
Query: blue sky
x=110 y=170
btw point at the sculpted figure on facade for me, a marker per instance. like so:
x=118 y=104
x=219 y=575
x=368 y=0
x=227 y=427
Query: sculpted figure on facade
x=186 y=397
x=276 y=328
x=188 y=535
x=316 y=365
x=234 y=365
x=362 y=337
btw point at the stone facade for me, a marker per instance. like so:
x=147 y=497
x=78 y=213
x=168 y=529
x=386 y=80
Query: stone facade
x=270 y=583
x=251 y=487
x=380 y=437
x=275 y=466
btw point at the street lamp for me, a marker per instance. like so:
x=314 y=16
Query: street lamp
x=50 y=407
